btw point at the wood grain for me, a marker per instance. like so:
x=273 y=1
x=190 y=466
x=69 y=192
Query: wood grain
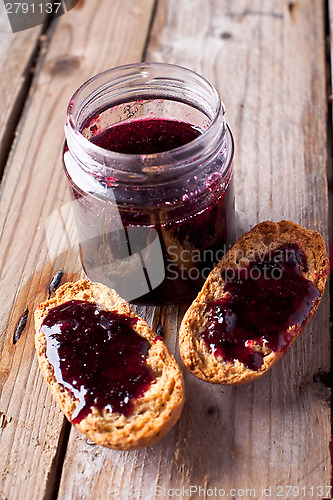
x=34 y=187
x=17 y=50
x=267 y=60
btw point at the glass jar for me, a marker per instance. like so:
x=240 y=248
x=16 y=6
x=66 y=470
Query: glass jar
x=148 y=156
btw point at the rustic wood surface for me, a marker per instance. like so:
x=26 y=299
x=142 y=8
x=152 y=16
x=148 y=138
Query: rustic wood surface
x=33 y=187
x=267 y=60
x=16 y=55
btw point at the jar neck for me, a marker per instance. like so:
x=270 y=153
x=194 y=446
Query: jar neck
x=157 y=89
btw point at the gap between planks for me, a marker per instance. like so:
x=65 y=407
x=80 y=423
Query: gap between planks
x=53 y=480
x=17 y=108
x=150 y=27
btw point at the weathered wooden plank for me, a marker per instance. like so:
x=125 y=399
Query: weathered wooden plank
x=84 y=41
x=16 y=54
x=267 y=60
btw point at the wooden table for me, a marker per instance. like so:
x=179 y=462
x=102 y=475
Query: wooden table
x=270 y=63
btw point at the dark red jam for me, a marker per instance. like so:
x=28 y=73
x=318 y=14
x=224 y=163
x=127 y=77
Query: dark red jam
x=193 y=228
x=97 y=356
x=263 y=301
x=148 y=136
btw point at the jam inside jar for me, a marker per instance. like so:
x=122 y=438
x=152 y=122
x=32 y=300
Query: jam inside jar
x=148 y=156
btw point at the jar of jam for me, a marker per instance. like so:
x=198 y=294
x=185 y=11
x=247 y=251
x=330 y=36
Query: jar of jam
x=148 y=156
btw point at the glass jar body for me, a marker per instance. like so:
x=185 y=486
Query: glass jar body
x=152 y=225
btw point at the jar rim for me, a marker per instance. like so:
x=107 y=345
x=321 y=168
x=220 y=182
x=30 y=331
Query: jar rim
x=161 y=159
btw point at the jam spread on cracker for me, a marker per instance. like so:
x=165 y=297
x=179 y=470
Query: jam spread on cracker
x=97 y=356
x=260 y=304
